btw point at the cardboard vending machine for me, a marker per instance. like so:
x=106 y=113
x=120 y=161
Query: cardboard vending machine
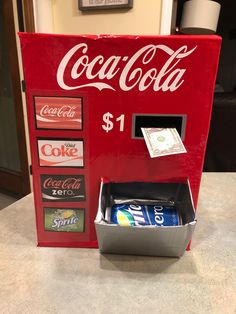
x=87 y=99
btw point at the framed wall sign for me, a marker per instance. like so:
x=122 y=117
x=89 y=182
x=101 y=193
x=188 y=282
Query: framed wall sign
x=85 y=5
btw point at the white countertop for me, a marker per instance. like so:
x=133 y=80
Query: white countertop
x=69 y=280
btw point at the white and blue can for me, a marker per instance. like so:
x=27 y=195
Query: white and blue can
x=143 y=215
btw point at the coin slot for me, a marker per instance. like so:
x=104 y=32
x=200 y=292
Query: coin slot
x=158 y=121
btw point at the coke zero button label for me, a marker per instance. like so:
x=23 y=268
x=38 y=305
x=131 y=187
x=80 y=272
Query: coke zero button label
x=62 y=188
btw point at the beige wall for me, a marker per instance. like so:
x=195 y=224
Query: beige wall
x=143 y=18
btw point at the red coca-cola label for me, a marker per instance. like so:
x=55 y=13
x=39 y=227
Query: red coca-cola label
x=60 y=153
x=62 y=188
x=58 y=113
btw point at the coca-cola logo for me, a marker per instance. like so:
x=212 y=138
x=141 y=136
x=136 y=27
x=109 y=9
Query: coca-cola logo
x=142 y=70
x=55 y=153
x=68 y=183
x=63 y=111
x=63 y=188
x=58 y=113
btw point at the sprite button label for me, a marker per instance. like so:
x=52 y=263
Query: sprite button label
x=64 y=219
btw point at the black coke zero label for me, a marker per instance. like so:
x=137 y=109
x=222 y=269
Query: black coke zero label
x=62 y=188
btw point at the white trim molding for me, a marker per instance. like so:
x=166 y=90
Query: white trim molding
x=166 y=17
x=43 y=16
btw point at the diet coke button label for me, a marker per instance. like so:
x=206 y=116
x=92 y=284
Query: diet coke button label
x=60 y=153
x=58 y=113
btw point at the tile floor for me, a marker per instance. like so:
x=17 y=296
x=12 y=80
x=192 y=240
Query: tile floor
x=6 y=200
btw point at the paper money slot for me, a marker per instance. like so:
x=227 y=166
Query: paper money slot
x=158 y=121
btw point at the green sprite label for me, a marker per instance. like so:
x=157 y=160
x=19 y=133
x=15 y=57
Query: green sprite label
x=64 y=219
x=124 y=218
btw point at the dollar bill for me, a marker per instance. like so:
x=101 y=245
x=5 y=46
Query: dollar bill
x=162 y=142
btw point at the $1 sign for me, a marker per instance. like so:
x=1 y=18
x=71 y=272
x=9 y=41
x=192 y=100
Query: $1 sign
x=108 y=122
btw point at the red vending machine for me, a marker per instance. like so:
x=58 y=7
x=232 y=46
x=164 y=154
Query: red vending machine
x=87 y=99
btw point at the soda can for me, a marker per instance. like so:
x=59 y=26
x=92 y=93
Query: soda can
x=144 y=215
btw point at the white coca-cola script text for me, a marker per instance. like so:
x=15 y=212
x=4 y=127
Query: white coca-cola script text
x=64 y=111
x=142 y=70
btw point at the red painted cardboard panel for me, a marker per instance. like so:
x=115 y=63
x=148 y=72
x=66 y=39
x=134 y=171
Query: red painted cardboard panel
x=98 y=91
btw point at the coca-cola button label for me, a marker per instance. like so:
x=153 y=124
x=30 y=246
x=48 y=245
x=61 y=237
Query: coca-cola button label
x=62 y=188
x=64 y=219
x=60 y=153
x=58 y=113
